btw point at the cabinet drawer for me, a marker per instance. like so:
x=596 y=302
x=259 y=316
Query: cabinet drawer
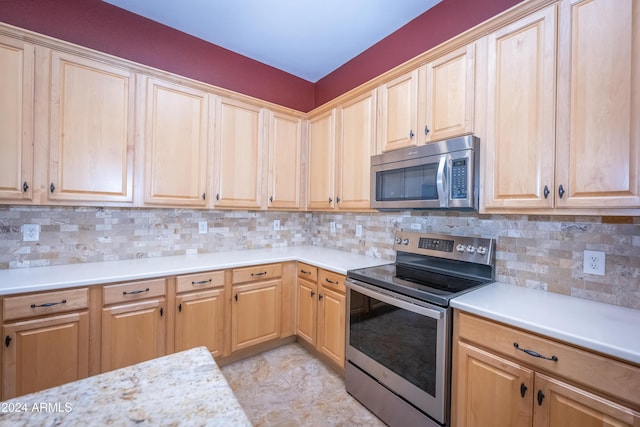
x=331 y=280
x=308 y=272
x=194 y=282
x=45 y=303
x=259 y=272
x=133 y=291
x=615 y=378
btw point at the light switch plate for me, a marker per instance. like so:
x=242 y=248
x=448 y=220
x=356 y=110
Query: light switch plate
x=332 y=227
x=276 y=224
x=358 y=230
x=202 y=227
x=31 y=232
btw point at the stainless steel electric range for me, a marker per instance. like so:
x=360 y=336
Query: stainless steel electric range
x=399 y=325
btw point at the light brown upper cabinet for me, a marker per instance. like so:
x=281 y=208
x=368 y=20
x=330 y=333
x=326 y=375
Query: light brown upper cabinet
x=322 y=141
x=91 y=130
x=176 y=140
x=285 y=144
x=450 y=94
x=342 y=142
x=16 y=119
x=239 y=142
x=583 y=150
x=428 y=104
x=519 y=139
x=398 y=112
x=355 y=146
x=598 y=136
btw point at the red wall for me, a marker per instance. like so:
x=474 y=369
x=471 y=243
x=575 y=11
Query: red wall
x=440 y=23
x=101 y=26
x=106 y=28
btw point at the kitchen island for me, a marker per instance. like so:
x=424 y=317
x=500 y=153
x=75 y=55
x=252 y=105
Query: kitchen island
x=185 y=388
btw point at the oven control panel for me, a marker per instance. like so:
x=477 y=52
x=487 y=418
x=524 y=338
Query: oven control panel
x=472 y=249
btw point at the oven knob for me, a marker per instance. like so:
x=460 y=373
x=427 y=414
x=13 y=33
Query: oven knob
x=482 y=250
x=398 y=240
x=471 y=249
x=405 y=241
x=460 y=248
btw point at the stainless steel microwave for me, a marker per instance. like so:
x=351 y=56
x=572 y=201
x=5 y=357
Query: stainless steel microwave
x=438 y=175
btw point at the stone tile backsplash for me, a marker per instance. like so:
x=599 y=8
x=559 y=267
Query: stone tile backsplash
x=544 y=252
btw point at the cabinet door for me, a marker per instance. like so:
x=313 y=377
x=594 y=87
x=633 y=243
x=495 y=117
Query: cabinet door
x=489 y=390
x=450 y=94
x=285 y=143
x=322 y=141
x=399 y=112
x=133 y=333
x=598 y=150
x=518 y=148
x=331 y=324
x=44 y=353
x=176 y=140
x=91 y=130
x=255 y=313
x=16 y=119
x=307 y=310
x=356 y=145
x=239 y=147
x=200 y=321
x=560 y=404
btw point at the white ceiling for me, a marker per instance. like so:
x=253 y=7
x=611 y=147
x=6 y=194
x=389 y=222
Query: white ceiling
x=307 y=38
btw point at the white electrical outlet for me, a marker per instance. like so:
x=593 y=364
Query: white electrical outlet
x=416 y=226
x=276 y=224
x=358 y=230
x=203 y=227
x=31 y=232
x=594 y=262
x=332 y=227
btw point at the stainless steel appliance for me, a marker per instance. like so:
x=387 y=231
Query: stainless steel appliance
x=399 y=325
x=438 y=175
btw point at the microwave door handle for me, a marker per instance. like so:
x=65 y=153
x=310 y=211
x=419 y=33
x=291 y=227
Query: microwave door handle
x=441 y=182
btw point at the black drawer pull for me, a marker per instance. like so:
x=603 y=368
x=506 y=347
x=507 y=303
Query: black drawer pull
x=534 y=354
x=258 y=274
x=135 y=292
x=48 y=304
x=201 y=282
x=540 y=397
x=305 y=272
x=7 y=341
x=523 y=389
x=331 y=281
x=312 y=294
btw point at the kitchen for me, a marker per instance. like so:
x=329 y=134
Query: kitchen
x=543 y=251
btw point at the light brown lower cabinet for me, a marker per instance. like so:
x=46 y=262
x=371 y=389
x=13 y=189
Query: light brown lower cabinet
x=46 y=341
x=321 y=311
x=200 y=318
x=494 y=383
x=134 y=323
x=256 y=305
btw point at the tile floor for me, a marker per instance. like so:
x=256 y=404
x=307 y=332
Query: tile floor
x=287 y=386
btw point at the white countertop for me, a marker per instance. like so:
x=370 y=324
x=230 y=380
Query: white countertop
x=185 y=388
x=605 y=328
x=18 y=280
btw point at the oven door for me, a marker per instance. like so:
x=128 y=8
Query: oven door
x=401 y=342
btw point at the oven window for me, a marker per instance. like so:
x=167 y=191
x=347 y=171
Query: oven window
x=398 y=339
x=413 y=183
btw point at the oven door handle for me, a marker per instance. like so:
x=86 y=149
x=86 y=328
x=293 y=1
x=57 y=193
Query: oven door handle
x=380 y=295
x=441 y=182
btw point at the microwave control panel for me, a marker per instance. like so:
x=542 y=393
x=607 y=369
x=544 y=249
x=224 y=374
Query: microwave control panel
x=459 y=172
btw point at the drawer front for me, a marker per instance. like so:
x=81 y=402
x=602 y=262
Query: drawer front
x=308 y=272
x=113 y=294
x=615 y=378
x=45 y=303
x=198 y=281
x=259 y=272
x=331 y=280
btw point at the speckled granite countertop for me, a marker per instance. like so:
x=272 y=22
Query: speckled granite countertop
x=185 y=388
